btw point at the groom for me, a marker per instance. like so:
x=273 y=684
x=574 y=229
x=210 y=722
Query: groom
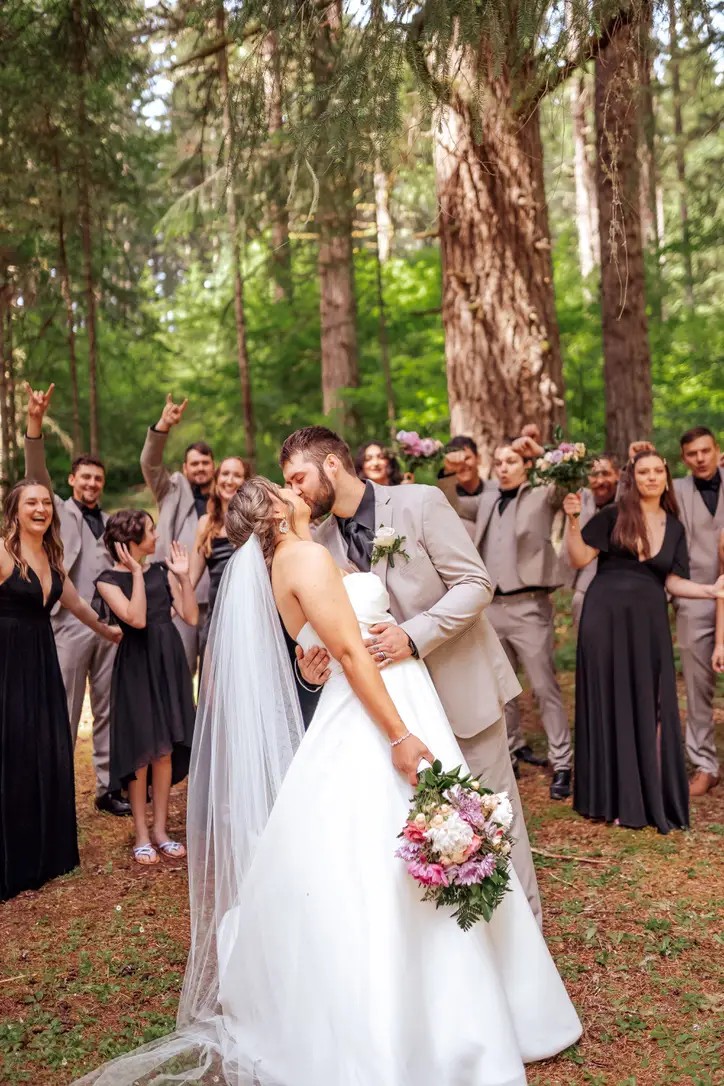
x=438 y=588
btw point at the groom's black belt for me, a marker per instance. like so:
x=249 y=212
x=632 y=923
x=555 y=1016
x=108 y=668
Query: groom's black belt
x=522 y=591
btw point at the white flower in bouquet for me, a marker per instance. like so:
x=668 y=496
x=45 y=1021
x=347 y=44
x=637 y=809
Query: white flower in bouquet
x=502 y=812
x=451 y=836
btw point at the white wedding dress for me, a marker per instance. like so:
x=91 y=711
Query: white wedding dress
x=332 y=970
x=313 y=960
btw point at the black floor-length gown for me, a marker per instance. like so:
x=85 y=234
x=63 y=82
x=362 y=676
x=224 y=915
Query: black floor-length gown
x=629 y=755
x=38 y=837
x=152 y=698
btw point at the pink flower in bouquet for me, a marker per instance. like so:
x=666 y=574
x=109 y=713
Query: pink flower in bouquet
x=566 y=447
x=555 y=456
x=413 y=832
x=428 y=446
x=428 y=874
x=475 y=871
x=409 y=851
x=473 y=847
x=410 y=442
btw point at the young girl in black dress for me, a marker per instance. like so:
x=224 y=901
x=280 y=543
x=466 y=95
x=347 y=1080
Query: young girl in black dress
x=629 y=760
x=152 y=705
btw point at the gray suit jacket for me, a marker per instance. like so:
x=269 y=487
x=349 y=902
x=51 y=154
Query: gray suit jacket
x=177 y=516
x=536 y=559
x=439 y=596
x=702 y=552
x=69 y=515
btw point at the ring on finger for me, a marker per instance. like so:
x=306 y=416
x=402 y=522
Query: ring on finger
x=381 y=656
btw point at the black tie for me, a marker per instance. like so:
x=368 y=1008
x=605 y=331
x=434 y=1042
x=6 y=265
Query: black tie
x=359 y=542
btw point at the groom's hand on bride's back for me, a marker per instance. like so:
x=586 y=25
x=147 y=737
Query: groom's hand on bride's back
x=313 y=665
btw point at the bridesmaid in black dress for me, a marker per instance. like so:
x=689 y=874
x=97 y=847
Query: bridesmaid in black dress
x=212 y=549
x=152 y=702
x=37 y=797
x=629 y=756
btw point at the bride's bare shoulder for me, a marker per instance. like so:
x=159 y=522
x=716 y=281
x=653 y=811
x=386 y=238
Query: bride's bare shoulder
x=305 y=557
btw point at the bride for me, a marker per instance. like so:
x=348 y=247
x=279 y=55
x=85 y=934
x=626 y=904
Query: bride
x=313 y=960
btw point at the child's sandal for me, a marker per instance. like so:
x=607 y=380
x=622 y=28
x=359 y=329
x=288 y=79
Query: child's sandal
x=173 y=849
x=145 y=855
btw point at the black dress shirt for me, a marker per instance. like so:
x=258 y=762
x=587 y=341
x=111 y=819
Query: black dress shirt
x=506 y=497
x=93 y=517
x=709 y=490
x=358 y=531
x=200 y=500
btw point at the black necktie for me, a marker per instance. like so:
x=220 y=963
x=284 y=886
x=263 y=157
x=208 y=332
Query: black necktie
x=359 y=542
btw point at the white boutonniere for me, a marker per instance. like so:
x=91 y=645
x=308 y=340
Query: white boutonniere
x=386 y=544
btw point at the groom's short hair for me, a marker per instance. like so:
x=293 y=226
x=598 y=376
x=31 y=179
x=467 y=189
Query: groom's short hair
x=316 y=443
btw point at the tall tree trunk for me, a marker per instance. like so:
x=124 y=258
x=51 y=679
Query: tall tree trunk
x=278 y=214
x=627 y=361
x=647 y=162
x=242 y=356
x=84 y=206
x=334 y=219
x=382 y=337
x=6 y=467
x=383 y=218
x=501 y=337
x=589 y=250
x=67 y=293
x=680 y=156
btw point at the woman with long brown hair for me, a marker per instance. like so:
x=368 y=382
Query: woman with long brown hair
x=37 y=796
x=629 y=759
x=212 y=549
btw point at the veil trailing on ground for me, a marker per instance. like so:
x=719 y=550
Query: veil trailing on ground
x=248 y=728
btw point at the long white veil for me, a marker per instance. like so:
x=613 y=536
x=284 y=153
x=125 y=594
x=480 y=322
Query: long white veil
x=248 y=728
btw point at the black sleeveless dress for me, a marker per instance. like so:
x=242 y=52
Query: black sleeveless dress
x=629 y=755
x=152 y=700
x=38 y=838
x=221 y=552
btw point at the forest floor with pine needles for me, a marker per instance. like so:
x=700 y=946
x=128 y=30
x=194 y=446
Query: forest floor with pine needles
x=92 y=964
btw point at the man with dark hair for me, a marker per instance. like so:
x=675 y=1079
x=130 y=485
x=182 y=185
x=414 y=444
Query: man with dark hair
x=701 y=506
x=603 y=480
x=438 y=593
x=181 y=497
x=85 y=658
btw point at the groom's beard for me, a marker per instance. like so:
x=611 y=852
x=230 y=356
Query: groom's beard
x=324 y=499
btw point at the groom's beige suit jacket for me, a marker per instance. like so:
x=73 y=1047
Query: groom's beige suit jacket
x=438 y=596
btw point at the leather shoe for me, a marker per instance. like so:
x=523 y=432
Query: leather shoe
x=113 y=803
x=525 y=754
x=702 y=782
x=561 y=784
x=516 y=771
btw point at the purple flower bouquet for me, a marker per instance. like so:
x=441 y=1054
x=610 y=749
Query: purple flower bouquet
x=416 y=451
x=456 y=843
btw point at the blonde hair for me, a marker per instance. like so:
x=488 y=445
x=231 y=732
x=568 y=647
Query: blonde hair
x=252 y=512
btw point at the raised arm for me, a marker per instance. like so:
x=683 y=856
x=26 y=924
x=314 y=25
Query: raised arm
x=155 y=472
x=182 y=590
x=131 y=611
x=579 y=553
x=458 y=563
x=35 y=466
x=317 y=584
x=197 y=558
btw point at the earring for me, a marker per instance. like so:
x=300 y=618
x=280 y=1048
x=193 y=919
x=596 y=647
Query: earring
x=284 y=526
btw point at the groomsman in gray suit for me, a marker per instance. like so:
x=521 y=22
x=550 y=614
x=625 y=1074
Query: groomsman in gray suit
x=181 y=497
x=701 y=506
x=438 y=593
x=601 y=491
x=513 y=528
x=84 y=657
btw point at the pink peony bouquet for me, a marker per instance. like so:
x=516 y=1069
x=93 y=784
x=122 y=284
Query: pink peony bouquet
x=456 y=843
x=566 y=465
x=416 y=451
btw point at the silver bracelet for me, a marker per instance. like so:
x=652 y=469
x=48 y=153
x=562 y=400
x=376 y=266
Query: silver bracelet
x=396 y=742
x=300 y=680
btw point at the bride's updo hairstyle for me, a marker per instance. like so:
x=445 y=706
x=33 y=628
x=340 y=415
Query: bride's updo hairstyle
x=252 y=512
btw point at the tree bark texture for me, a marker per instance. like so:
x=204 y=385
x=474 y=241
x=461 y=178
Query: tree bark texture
x=680 y=155
x=242 y=354
x=627 y=360
x=281 y=264
x=8 y=429
x=383 y=218
x=86 y=229
x=334 y=218
x=67 y=293
x=502 y=346
x=589 y=250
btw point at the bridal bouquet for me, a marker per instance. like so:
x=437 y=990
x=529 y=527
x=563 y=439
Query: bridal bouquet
x=416 y=451
x=566 y=465
x=456 y=843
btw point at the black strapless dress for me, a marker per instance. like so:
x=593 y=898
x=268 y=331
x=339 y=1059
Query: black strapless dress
x=38 y=837
x=629 y=755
